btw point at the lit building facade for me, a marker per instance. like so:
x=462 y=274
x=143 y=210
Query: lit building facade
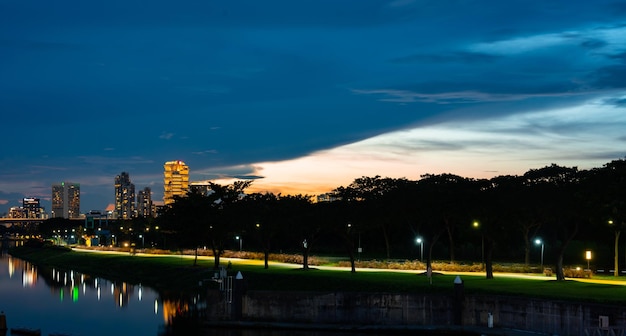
x=144 y=203
x=66 y=200
x=18 y=212
x=176 y=180
x=327 y=197
x=33 y=208
x=124 y=197
x=201 y=187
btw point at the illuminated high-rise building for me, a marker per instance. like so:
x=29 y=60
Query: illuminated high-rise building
x=176 y=180
x=66 y=200
x=32 y=207
x=124 y=197
x=144 y=203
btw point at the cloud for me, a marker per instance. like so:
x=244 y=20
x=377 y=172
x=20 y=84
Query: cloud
x=448 y=57
x=607 y=39
x=208 y=151
x=230 y=172
x=582 y=136
x=114 y=161
x=406 y=96
x=166 y=136
x=619 y=101
x=248 y=177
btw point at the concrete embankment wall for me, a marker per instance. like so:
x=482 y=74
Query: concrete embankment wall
x=541 y=316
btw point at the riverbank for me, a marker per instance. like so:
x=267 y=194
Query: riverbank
x=169 y=273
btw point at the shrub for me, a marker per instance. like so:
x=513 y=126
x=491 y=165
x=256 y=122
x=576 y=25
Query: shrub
x=577 y=273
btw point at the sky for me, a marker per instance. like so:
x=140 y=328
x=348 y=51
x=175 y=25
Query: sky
x=303 y=96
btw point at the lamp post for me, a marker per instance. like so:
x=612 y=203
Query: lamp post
x=240 y=241
x=421 y=242
x=537 y=242
x=616 y=257
x=588 y=257
x=359 y=249
x=476 y=225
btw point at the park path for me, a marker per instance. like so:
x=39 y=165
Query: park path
x=361 y=269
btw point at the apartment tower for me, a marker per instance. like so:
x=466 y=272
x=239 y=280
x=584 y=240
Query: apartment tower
x=144 y=203
x=176 y=180
x=124 y=197
x=32 y=207
x=66 y=200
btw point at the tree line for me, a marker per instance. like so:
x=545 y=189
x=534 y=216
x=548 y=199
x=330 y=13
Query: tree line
x=448 y=212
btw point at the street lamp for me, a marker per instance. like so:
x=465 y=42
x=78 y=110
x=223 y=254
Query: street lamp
x=421 y=242
x=616 y=257
x=142 y=241
x=240 y=241
x=537 y=242
x=476 y=225
x=588 y=257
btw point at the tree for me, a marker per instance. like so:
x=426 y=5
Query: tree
x=187 y=221
x=373 y=192
x=563 y=206
x=223 y=212
x=606 y=188
x=197 y=218
x=488 y=209
x=339 y=217
x=442 y=200
x=300 y=223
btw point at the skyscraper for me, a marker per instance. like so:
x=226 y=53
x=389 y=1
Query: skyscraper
x=176 y=180
x=124 y=197
x=32 y=207
x=144 y=203
x=66 y=200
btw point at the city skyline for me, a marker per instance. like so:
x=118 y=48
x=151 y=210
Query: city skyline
x=303 y=97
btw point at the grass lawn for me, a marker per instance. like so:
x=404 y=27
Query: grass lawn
x=177 y=274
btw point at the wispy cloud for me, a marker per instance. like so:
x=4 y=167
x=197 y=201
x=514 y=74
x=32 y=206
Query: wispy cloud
x=582 y=136
x=208 y=151
x=114 y=161
x=606 y=39
x=407 y=96
x=166 y=136
x=448 y=57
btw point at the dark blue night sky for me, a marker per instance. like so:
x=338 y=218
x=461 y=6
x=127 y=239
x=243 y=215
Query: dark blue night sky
x=304 y=96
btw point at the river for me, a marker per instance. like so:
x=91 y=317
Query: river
x=69 y=303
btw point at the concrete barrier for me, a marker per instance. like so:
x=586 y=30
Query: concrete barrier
x=345 y=308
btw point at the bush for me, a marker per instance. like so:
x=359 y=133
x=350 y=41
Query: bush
x=577 y=273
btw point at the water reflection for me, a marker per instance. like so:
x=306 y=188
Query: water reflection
x=72 y=303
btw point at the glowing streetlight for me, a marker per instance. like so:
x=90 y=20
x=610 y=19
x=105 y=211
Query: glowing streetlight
x=476 y=225
x=421 y=242
x=616 y=257
x=240 y=241
x=538 y=241
x=588 y=257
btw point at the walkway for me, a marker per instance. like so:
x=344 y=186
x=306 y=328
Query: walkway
x=347 y=269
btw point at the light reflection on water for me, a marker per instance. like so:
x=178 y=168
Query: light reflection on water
x=70 y=303
x=67 y=302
